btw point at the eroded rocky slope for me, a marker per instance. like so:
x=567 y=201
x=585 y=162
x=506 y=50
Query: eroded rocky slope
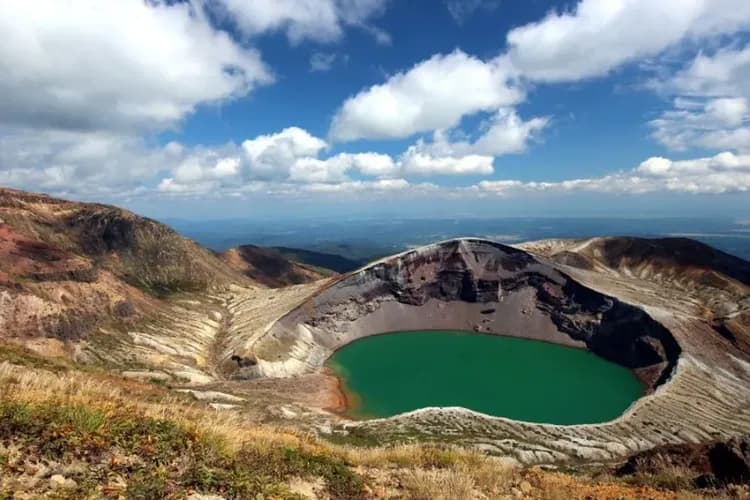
x=74 y=274
x=676 y=273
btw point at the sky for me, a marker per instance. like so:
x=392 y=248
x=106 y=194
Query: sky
x=210 y=109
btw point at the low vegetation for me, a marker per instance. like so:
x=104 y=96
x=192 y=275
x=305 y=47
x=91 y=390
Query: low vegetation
x=146 y=457
x=66 y=433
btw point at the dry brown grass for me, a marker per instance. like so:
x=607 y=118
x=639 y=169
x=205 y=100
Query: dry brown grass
x=422 y=471
x=485 y=478
x=110 y=393
x=689 y=495
x=438 y=484
x=404 y=471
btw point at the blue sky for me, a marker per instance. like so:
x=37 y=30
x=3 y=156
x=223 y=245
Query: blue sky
x=243 y=108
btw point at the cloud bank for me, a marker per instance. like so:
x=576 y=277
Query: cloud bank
x=82 y=98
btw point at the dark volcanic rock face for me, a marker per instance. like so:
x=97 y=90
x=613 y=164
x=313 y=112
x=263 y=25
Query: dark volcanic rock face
x=103 y=231
x=677 y=274
x=475 y=285
x=610 y=328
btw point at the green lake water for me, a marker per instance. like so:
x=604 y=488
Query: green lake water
x=522 y=379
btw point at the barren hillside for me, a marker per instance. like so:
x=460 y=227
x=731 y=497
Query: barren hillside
x=269 y=267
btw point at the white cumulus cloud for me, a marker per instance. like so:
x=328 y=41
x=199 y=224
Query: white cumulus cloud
x=712 y=107
x=70 y=161
x=504 y=133
x=725 y=72
x=318 y=20
x=723 y=173
x=106 y=64
x=359 y=186
x=292 y=157
x=272 y=155
x=414 y=162
x=720 y=123
x=433 y=94
x=597 y=36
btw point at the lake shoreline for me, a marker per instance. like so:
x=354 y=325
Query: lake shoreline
x=337 y=401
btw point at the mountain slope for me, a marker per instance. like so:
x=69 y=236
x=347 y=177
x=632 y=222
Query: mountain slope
x=269 y=267
x=331 y=261
x=645 y=256
x=135 y=299
x=72 y=434
x=67 y=268
x=140 y=251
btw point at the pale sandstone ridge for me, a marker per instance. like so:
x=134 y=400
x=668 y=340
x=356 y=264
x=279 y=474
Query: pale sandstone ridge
x=663 y=327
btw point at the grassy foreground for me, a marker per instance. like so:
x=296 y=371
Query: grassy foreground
x=67 y=433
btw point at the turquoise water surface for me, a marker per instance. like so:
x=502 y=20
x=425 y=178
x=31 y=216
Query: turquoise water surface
x=522 y=379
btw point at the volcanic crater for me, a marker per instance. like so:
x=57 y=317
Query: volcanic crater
x=468 y=285
x=577 y=294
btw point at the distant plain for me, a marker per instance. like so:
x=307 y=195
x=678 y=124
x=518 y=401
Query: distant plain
x=365 y=239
